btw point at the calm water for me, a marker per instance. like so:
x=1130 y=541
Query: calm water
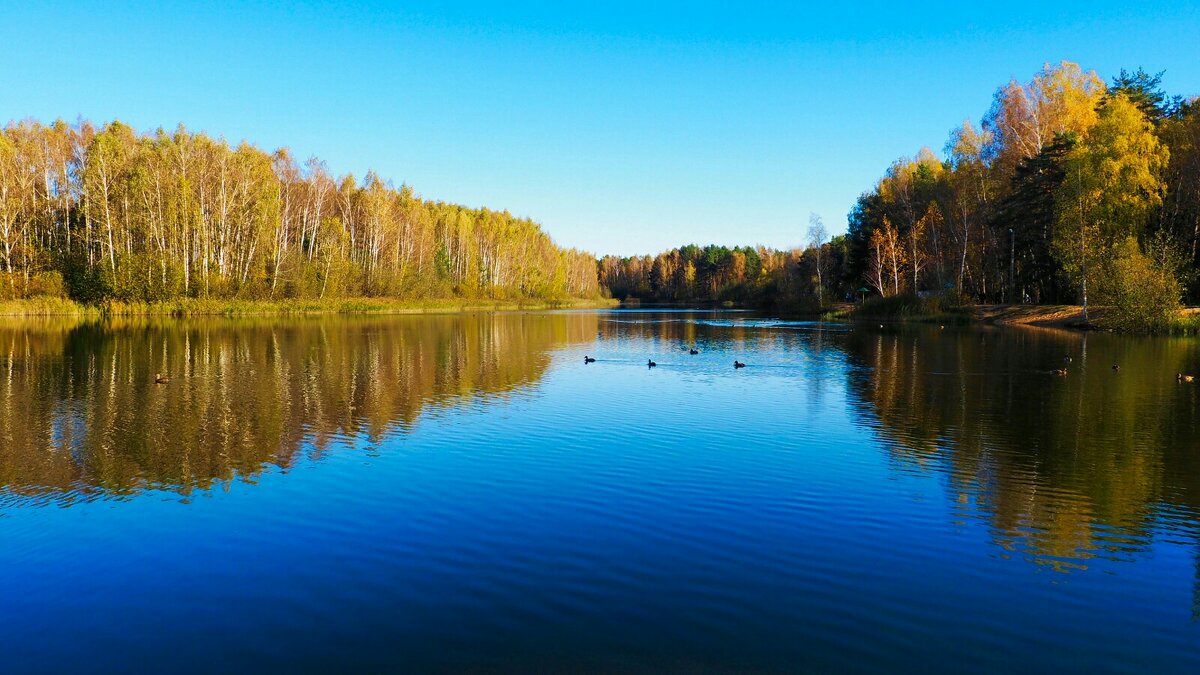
x=463 y=493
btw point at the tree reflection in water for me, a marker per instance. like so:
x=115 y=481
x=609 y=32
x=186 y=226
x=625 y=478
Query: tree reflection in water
x=1062 y=469
x=81 y=416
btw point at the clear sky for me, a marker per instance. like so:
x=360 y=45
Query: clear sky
x=623 y=127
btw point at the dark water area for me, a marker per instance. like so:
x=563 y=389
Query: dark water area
x=450 y=493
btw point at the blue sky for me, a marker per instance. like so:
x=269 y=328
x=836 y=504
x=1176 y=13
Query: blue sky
x=622 y=128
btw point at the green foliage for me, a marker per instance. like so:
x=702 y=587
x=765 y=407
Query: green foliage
x=1141 y=294
x=762 y=277
x=441 y=261
x=15 y=286
x=45 y=305
x=1111 y=182
x=948 y=306
x=1028 y=215
x=1145 y=91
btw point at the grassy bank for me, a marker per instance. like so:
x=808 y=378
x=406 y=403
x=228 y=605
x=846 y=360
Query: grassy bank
x=1187 y=322
x=939 y=309
x=935 y=310
x=46 y=306
x=51 y=306
x=1184 y=322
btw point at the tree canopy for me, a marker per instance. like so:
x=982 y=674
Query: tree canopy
x=1041 y=200
x=1065 y=184
x=105 y=213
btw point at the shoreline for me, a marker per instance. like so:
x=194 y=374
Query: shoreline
x=1064 y=317
x=195 y=307
x=1068 y=317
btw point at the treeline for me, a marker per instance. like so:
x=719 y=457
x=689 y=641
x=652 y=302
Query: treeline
x=792 y=279
x=109 y=214
x=1070 y=190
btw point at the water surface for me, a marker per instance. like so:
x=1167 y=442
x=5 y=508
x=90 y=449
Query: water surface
x=465 y=493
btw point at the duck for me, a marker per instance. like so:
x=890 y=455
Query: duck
x=1180 y=377
x=650 y=363
x=738 y=364
x=588 y=359
x=1116 y=367
x=693 y=352
x=1060 y=371
x=159 y=378
x=1066 y=359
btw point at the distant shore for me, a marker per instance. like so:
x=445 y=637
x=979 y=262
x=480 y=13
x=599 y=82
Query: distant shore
x=54 y=306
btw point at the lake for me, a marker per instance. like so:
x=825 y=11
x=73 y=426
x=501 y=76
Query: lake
x=448 y=493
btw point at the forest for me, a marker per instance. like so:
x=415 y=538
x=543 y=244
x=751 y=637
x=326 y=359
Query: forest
x=758 y=276
x=1069 y=190
x=104 y=214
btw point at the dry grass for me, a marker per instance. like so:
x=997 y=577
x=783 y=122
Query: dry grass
x=48 y=306
x=1035 y=315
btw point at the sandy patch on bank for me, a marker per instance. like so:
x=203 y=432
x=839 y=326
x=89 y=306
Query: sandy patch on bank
x=1035 y=315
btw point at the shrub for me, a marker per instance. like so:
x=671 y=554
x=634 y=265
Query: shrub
x=1141 y=295
x=946 y=305
x=17 y=286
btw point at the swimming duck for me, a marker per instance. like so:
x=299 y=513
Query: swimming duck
x=1180 y=377
x=738 y=364
x=650 y=363
x=693 y=352
x=1066 y=359
x=1116 y=367
x=588 y=359
x=1060 y=371
x=159 y=378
